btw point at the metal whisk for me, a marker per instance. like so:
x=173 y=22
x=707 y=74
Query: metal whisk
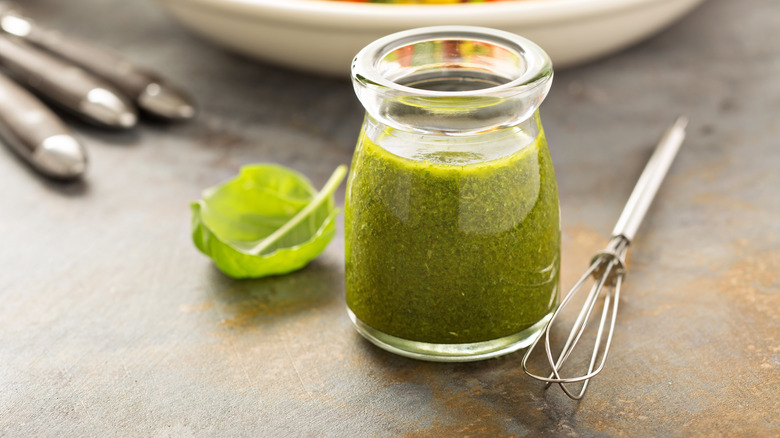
x=607 y=270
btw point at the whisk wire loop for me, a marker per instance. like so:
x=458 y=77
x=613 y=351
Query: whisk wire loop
x=578 y=328
x=607 y=270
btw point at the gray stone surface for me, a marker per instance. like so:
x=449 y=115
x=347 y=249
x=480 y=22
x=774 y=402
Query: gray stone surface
x=112 y=324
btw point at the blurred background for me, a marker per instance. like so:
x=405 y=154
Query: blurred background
x=113 y=323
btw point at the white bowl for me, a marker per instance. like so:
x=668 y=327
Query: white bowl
x=324 y=36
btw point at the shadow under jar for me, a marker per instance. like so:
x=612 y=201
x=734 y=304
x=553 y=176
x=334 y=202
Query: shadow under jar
x=452 y=221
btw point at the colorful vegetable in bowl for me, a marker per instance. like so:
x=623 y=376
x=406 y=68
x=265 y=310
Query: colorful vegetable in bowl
x=421 y=2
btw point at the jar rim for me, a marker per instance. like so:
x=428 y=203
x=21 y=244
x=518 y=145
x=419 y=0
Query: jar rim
x=538 y=67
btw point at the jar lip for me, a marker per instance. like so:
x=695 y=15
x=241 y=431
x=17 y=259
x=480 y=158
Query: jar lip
x=538 y=69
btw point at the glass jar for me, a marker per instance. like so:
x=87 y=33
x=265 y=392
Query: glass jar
x=451 y=217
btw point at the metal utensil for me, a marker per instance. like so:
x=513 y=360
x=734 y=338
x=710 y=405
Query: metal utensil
x=149 y=91
x=32 y=130
x=607 y=270
x=66 y=85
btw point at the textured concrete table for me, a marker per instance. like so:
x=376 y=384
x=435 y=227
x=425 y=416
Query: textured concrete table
x=111 y=323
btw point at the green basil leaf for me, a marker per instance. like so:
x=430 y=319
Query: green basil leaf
x=269 y=220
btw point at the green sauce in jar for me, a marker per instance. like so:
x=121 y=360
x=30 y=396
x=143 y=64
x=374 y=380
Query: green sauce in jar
x=449 y=246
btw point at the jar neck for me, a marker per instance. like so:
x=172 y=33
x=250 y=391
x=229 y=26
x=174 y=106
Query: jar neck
x=451 y=80
x=461 y=149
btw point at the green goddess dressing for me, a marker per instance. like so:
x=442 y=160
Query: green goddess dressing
x=451 y=246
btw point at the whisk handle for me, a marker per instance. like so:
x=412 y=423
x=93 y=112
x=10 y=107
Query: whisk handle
x=650 y=180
